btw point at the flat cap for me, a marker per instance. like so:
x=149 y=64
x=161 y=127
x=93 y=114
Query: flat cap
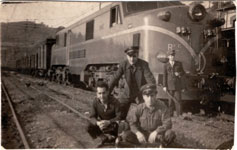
x=148 y=89
x=171 y=52
x=131 y=50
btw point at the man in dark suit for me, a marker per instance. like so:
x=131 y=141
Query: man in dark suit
x=136 y=73
x=105 y=115
x=173 y=72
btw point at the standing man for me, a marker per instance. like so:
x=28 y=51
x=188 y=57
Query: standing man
x=173 y=72
x=150 y=121
x=136 y=73
x=105 y=115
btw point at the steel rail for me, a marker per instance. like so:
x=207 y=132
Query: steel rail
x=19 y=128
x=62 y=103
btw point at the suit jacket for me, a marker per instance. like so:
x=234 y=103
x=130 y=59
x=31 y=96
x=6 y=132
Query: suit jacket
x=171 y=81
x=143 y=75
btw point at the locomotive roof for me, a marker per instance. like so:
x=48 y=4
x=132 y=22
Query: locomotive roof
x=107 y=8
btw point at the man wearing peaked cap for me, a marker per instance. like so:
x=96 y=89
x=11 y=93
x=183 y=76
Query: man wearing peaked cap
x=136 y=73
x=158 y=130
x=148 y=89
x=171 y=52
x=131 y=50
x=173 y=74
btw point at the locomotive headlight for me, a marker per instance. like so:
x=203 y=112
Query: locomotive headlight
x=197 y=12
x=188 y=30
x=162 y=57
x=178 y=30
x=183 y=30
x=164 y=15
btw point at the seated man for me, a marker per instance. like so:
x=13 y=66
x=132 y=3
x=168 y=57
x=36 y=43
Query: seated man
x=105 y=113
x=150 y=121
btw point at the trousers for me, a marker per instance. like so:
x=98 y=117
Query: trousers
x=173 y=105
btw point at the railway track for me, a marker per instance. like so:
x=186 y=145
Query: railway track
x=83 y=118
x=16 y=120
x=187 y=128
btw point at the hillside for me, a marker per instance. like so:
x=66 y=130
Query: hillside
x=18 y=37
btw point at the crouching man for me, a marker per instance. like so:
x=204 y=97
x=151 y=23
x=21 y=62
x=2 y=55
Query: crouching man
x=150 y=121
x=105 y=113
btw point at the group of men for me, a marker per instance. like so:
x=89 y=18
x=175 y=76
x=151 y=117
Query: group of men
x=137 y=117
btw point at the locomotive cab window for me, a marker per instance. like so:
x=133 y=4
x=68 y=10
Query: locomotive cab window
x=115 y=16
x=65 y=40
x=136 y=7
x=57 y=39
x=90 y=30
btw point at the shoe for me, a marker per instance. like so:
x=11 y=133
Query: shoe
x=110 y=138
x=103 y=139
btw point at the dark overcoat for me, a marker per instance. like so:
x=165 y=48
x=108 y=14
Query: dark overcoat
x=171 y=81
x=143 y=76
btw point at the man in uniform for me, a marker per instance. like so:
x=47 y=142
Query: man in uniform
x=173 y=72
x=105 y=115
x=150 y=121
x=136 y=73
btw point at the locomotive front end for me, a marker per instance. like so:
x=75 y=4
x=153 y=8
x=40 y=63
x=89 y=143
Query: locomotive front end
x=189 y=31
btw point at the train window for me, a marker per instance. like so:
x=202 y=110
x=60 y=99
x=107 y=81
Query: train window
x=136 y=39
x=233 y=23
x=135 y=7
x=89 y=30
x=65 y=39
x=77 y=54
x=57 y=39
x=160 y=79
x=115 y=16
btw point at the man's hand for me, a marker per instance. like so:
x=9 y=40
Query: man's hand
x=177 y=74
x=165 y=89
x=152 y=137
x=103 y=124
x=141 y=138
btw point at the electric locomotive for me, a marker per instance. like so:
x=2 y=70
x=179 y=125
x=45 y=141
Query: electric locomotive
x=93 y=47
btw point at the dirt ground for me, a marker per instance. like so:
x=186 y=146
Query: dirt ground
x=47 y=124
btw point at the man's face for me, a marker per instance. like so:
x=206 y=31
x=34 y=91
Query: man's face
x=102 y=94
x=132 y=59
x=149 y=99
x=171 y=57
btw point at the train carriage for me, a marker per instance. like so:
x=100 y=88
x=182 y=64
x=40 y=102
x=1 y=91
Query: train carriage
x=39 y=57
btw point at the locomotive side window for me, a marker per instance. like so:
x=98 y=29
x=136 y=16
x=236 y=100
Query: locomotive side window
x=57 y=39
x=115 y=16
x=90 y=30
x=135 y=7
x=136 y=39
x=65 y=40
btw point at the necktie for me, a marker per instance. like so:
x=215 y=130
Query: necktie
x=133 y=68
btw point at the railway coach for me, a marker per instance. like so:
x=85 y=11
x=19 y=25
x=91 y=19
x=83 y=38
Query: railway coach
x=37 y=60
x=93 y=47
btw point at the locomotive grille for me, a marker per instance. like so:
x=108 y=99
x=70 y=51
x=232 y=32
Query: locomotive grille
x=78 y=54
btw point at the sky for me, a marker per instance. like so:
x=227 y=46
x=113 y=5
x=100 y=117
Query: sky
x=53 y=14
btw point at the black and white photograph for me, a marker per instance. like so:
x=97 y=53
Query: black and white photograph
x=117 y=74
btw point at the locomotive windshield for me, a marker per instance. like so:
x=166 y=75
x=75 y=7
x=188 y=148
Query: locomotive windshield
x=135 y=7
